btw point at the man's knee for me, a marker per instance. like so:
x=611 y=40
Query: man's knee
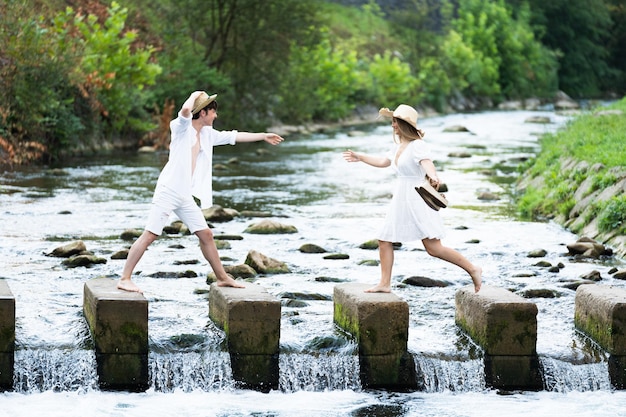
x=204 y=234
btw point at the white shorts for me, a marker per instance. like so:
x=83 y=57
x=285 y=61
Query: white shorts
x=164 y=202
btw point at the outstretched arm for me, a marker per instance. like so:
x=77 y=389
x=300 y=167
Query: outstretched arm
x=375 y=161
x=271 y=138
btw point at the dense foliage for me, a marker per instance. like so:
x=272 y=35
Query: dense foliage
x=77 y=75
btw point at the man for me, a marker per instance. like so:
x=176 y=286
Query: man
x=188 y=174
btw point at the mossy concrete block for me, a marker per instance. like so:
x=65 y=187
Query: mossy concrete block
x=249 y=316
x=257 y=372
x=7 y=335
x=513 y=372
x=7 y=318
x=123 y=372
x=118 y=319
x=390 y=372
x=600 y=312
x=501 y=322
x=378 y=321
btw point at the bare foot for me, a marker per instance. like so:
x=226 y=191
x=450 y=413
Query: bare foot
x=128 y=285
x=379 y=288
x=229 y=281
x=476 y=275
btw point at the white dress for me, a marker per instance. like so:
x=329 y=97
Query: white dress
x=408 y=216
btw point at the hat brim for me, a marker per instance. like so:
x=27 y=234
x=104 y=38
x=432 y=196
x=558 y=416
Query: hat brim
x=385 y=112
x=203 y=104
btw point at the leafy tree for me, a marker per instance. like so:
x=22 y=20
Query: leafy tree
x=239 y=49
x=37 y=113
x=515 y=64
x=579 y=30
x=110 y=73
x=322 y=91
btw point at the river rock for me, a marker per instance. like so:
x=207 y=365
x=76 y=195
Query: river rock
x=227 y=237
x=588 y=248
x=370 y=244
x=242 y=271
x=131 y=234
x=592 y=276
x=252 y=213
x=120 y=254
x=266 y=227
x=460 y=155
x=305 y=296
x=538 y=119
x=419 y=281
x=537 y=253
x=265 y=265
x=488 y=196
x=83 y=260
x=540 y=293
x=369 y=262
x=217 y=213
x=621 y=274
x=456 y=128
x=311 y=248
x=70 y=249
x=337 y=256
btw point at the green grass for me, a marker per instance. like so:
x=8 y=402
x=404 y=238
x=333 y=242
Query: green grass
x=590 y=137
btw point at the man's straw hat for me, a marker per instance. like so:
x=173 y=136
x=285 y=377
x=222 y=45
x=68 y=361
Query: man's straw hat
x=202 y=101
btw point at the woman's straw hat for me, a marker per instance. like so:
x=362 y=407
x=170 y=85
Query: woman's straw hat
x=202 y=101
x=403 y=112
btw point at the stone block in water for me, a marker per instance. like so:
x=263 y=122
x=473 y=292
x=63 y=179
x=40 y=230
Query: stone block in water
x=250 y=317
x=600 y=312
x=378 y=321
x=118 y=321
x=7 y=335
x=501 y=322
x=380 y=324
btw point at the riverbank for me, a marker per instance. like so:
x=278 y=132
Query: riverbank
x=579 y=178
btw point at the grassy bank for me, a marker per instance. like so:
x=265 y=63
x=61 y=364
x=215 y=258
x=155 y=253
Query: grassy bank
x=578 y=178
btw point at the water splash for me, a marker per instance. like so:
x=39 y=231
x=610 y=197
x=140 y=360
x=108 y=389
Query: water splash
x=560 y=376
x=319 y=372
x=189 y=371
x=438 y=375
x=39 y=370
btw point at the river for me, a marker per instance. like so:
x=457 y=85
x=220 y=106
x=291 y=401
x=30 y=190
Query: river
x=304 y=182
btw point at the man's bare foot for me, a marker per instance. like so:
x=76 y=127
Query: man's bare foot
x=476 y=275
x=379 y=288
x=128 y=285
x=229 y=281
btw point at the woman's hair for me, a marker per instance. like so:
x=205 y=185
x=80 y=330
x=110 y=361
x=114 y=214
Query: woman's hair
x=211 y=105
x=408 y=131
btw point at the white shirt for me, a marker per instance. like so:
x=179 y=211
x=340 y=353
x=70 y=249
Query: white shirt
x=177 y=175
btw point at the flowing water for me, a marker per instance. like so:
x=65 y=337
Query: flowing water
x=305 y=183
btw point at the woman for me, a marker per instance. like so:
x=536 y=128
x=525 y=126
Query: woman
x=409 y=218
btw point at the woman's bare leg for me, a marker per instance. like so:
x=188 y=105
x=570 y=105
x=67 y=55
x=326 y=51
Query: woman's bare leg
x=209 y=250
x=134 y=255
x=436 y=249
x=385 y=249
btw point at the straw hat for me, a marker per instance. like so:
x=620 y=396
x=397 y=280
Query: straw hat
x=202 y=101
x=403 y=112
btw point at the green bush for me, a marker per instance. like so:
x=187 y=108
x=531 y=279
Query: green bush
x=612 y=217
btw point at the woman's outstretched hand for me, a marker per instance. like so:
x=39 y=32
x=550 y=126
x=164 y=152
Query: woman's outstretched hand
x=350 y=156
